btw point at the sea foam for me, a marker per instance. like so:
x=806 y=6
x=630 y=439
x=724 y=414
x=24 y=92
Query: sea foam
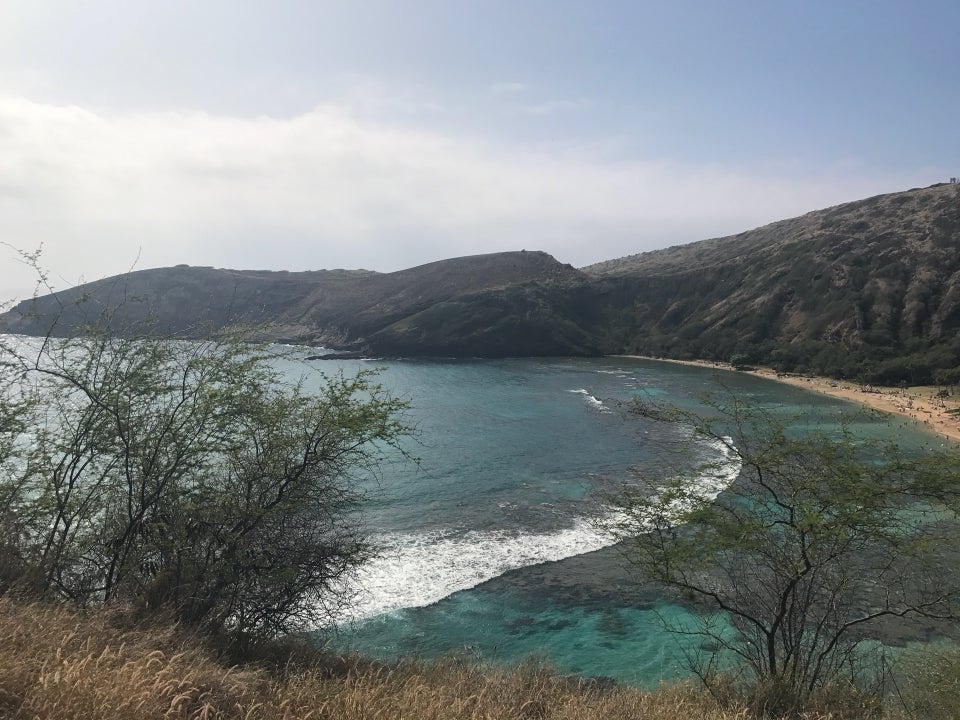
x=418 y=570
x=415 y=570
x=592 y=401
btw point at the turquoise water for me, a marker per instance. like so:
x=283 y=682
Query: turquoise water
x=490 y=545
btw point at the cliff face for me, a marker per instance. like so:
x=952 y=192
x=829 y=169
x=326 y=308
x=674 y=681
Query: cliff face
x=868 y=289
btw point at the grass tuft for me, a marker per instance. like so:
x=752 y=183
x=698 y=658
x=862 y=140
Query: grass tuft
x=56 y=662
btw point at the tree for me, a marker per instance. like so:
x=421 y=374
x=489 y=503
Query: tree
x=819 y=539
x=16 y=404
x=189 y=476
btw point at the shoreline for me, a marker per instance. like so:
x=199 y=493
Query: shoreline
x=918 y=403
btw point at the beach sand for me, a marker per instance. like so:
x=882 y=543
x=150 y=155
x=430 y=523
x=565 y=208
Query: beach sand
x=917 y=403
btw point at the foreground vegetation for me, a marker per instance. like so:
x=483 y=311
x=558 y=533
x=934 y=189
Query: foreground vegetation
x=824 y=538
x=192 y=478
x=60 y=663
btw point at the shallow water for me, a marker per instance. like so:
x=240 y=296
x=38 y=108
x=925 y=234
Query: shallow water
x=490 y=545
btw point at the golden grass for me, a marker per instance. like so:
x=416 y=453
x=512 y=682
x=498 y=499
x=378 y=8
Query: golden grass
x=55 y=663
x=59 y=663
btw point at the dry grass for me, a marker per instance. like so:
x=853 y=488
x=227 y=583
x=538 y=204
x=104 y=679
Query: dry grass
x=58 y=663
x=55 y=663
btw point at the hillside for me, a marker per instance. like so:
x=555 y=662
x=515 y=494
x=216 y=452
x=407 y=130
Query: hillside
x=338 y=308
x=868 y=290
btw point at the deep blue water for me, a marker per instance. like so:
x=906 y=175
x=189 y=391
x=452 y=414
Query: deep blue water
x=490 y=545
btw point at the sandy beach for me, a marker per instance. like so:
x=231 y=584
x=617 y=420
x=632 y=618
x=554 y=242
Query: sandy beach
x=920 y=404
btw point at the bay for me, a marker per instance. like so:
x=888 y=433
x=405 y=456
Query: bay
x=489 y=544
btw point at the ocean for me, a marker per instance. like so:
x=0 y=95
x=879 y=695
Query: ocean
x=489 y=544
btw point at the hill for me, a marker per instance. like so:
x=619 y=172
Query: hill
x=338 y=308
x=868 y=290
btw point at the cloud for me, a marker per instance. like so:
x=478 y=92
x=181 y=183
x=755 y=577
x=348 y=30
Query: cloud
x=508 y=88
x=552 y=107
x=326 y=189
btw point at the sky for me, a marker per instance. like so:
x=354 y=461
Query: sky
x=380 y=134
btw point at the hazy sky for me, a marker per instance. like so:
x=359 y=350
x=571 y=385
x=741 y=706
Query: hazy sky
x=384 y=134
